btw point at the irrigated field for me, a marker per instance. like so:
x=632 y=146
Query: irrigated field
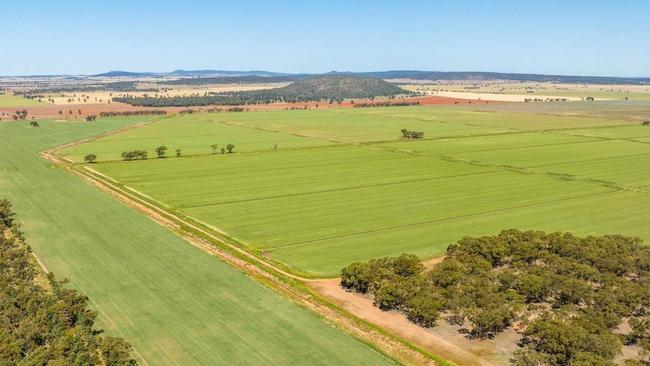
x=176 y=304
x=369 y=194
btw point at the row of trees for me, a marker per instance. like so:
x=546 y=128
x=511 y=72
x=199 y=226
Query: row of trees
x=568 y=294
x=133 y=113
x=542 y=100
x=42 y=322
x=386 y=104
x=134 y=155
x=408 y=134
x=161 y=152
x=223 y=150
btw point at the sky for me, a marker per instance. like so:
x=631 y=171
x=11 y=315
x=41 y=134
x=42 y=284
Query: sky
x=606 y=38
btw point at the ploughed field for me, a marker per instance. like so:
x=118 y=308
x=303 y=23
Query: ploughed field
x=320 y=189
x=176 y=304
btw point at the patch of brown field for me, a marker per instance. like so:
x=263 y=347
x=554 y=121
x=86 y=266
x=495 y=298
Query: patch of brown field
x=428 y=100
x=52 y=110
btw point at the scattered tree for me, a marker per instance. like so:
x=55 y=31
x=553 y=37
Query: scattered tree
x=161 y=151
x=21 y=114
x=90 y=158
x=229 y=147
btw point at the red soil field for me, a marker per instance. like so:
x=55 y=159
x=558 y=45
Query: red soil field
x=52 y=110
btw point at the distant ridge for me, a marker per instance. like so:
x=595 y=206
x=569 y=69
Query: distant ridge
x=480 y=76
x=126 y=74
x=190 y=73
x=224 y=73
x=394 y=74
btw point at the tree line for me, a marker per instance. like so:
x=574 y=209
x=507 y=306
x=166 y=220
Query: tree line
x=386 y=104
x=45 y=322
x=566 y=294
x=161 y=152
x=133 y=113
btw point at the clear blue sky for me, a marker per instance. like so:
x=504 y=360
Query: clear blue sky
x=542 y=36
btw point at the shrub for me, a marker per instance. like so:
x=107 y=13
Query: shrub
x=90 y=158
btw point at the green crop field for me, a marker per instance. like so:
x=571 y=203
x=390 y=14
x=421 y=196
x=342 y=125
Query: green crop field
x=194 y=134
x=17 y=101
x=176 y=304
x=369 y=194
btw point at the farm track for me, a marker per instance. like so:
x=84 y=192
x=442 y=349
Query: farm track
x=291 y=285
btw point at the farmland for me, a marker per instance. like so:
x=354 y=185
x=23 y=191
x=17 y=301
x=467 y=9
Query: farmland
x=172 y=301
x=534 y=90
x=343 y=187
x=10 y=100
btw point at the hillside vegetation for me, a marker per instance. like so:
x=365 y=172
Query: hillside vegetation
x=330 y=88
x=340 y=87
x=569 y=295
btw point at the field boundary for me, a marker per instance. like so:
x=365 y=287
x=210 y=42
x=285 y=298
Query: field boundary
x=281 y=280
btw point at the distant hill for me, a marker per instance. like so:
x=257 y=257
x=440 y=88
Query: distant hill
x=339 y=87
x=191 y=73
x=118 y=73
x=479 y=76
x=240 y=79
x=330 y=88
x=195 y=73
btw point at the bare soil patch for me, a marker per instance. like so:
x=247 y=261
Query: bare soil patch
x=443 y=340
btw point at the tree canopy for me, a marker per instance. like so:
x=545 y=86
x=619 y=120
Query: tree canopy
x=567 y=294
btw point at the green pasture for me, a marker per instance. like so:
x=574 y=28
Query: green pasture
x=372 y=194
x=193 y=134
x=279 y=130
x=176 y=304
